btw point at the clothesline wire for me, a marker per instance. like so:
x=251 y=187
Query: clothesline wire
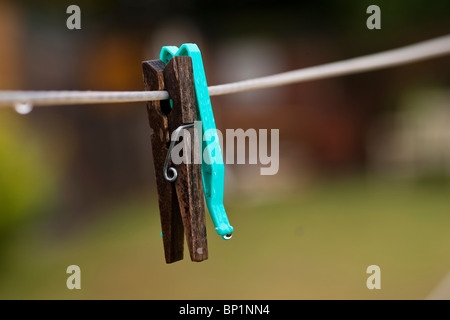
x=429 y=49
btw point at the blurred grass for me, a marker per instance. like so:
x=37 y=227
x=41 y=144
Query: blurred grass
x=26 y=180
x=303 y=245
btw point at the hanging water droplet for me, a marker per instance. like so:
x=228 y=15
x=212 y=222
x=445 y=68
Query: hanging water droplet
x=23 y=107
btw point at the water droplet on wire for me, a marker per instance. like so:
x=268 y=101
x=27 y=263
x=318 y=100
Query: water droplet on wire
x=23 y=107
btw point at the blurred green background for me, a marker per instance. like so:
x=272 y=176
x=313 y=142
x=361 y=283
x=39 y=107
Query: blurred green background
x=364 y=159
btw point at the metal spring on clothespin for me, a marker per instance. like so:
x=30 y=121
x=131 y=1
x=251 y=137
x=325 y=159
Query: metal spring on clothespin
x=172 y=170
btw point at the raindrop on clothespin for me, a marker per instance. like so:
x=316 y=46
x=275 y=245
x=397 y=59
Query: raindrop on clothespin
x=23 y=107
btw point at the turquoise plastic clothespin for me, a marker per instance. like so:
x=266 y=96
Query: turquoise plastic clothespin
x=213 y=169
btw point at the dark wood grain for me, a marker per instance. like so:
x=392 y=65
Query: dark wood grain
x=181 y=203
x=171 y=222
x=179 y=82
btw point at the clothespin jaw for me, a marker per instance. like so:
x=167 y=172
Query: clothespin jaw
x=180 y=191
x=213 y=169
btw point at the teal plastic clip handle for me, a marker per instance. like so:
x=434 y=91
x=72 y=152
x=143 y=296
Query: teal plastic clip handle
x=213 y=169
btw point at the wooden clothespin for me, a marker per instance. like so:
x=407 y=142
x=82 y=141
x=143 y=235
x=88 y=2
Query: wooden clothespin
x=181 y=201
x=213 y=170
